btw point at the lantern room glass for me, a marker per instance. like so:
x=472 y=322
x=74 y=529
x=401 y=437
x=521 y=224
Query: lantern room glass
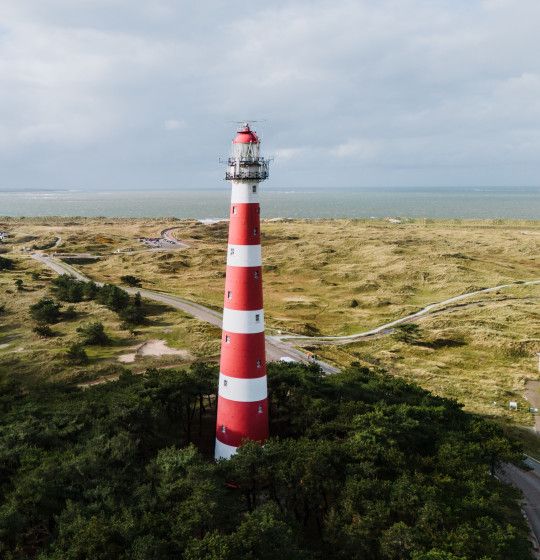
x=245 y=151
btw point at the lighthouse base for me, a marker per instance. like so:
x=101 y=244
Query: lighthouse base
x=224 y=451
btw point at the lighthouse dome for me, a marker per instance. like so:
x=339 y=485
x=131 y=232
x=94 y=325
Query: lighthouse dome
x=246 y=136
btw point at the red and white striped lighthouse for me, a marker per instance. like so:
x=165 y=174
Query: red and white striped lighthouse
x=242 y=412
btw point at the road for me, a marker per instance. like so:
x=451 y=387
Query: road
x=166 y=234
x=275 y=348
x=529 y=484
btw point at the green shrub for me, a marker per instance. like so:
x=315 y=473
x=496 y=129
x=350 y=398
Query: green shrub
x=94 y=333
x=407 y=332
x=131 y=280
x=6 y=264
x=45 y=311
x=76 y=354
x=44 y=331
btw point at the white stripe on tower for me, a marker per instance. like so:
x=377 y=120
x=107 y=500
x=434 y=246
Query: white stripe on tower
x=244 y=255
x=242 y=390
x=243 y=322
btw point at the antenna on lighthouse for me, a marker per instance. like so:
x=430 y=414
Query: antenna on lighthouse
x=242 y=411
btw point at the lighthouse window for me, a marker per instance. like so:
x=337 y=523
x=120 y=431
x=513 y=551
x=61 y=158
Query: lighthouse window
x=258 y=363
x=254 y=188
x=225 y=383
x=260 y=409
x=231 y=251
x=223 y=428
x=227 y=338
x=234 y=209
x=229 y=295
x=257 y=317
x=256 y=274
x=254 y=231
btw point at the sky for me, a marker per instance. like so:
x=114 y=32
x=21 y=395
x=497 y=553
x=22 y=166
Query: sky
x=120 y=94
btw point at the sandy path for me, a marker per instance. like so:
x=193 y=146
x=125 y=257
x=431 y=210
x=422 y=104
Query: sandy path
x=153 y=348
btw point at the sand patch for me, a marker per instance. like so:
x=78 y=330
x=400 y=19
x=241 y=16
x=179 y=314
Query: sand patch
x=152 y=348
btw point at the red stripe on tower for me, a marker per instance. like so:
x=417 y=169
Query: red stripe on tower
x=242 y=412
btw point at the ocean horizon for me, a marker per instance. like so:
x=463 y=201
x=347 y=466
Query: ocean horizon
x=336 y=202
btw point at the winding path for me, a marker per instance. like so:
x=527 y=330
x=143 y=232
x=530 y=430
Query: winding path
x=431 y=308
x=275 y=348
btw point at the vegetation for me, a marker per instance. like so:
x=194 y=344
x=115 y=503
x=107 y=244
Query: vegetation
x=6 y=264
x=131 y=280
x=45 y=311
x=361 y=466
x=76 y=354
x=44 y=331
x=94 y=333
x=321 y=276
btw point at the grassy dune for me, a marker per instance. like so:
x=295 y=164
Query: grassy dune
x=332 y=277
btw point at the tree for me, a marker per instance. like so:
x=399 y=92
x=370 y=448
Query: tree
x=76 y=354
x=6 y=264
x=113 y=297
x=45 y=311
x=90 y=290
x=131 y=280
x=407 y=332
x=44 y=331
x=94 y=333
x=133 y=315
x=67 y=288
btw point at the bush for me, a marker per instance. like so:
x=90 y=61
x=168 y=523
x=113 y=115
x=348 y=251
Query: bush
x=76 y=354
x=407 y=332
x=44 y=331
x=45 y=311
x=133 y=315
x=94 y=333
x=131 y=280
x=2 y=308
x=67 y=288
x=6 y=264
x=113 y=297
x=19 y=284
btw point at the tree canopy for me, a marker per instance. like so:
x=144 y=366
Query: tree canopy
x=360 y=466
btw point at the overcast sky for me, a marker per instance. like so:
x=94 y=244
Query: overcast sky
x=100 y=94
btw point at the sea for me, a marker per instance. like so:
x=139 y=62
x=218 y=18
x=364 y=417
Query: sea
x=336 y=202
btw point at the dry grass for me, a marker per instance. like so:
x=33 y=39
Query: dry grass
x=338 y=277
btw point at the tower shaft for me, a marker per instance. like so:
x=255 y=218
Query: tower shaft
x=242 y=396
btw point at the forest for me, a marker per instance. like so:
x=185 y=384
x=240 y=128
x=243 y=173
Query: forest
x=360 y=465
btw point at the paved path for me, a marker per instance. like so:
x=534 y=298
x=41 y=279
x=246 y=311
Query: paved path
x=431 y=308
x=529 y=484
x=166 y=234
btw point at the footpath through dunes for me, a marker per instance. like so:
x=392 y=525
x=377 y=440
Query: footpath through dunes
x=432 y=308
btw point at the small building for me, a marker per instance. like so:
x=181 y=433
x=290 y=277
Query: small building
x=513 y=405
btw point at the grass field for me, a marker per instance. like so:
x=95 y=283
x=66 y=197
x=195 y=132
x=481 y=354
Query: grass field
x=329 y=277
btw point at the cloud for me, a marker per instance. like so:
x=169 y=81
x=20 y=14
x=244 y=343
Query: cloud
x=174 y=124
x=413 y=92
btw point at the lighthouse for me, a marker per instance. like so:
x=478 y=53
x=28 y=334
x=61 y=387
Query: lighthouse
x=242 y=410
